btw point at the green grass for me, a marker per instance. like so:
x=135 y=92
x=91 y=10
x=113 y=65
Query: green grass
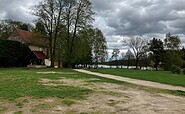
x=24 y=82
x=2 y=109
x=21 y=82
x=68 y=102
x=19 y=112
x=155 y=76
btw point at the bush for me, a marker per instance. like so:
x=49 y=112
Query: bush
x=13 y=54
x=175 y=69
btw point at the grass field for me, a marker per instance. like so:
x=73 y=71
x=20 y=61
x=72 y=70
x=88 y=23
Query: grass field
x=165 y=77
x=24 y=90
x=19 y=82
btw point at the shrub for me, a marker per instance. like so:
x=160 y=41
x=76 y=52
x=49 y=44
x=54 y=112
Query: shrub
x=13 y=54
x=175 y=69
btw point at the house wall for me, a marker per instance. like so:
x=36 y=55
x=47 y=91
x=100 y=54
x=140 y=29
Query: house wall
x=36 y=48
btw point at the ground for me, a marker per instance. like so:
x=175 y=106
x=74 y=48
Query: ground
x=106 y=98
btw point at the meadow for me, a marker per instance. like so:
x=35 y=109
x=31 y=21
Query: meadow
x=165 y=77
x=49 y=90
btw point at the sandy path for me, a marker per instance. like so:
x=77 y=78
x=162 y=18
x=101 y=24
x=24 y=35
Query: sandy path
x=134 y=81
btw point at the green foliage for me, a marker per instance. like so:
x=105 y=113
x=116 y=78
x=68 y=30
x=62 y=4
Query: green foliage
x=98 y=45
x=157 y=49
x=62 y=21
x=8 y=26
x=139 y=47
x=175 y=69
x=172 y=57
x=13 y=54
x=172 y=42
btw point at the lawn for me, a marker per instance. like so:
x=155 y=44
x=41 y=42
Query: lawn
x=50 y=90
x=165 y=77
x=20 y=82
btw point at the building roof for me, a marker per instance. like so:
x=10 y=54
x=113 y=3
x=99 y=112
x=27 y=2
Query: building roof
x=40 y=55
x=30 y=38
x=25 y=35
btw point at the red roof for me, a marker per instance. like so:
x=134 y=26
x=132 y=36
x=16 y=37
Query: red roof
x=40 y=55
x=29 y=38
x=25 y=35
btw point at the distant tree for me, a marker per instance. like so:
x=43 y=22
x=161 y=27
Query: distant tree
x=83 y=49
x=129 y=56
x=115 y=54
x=173 y=55
x=98 y=45
x=13 y=54
x=157 y=49
x=172 y=42
x=138 y=45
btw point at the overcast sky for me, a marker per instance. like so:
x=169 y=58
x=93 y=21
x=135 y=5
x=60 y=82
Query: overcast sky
x=119 y=18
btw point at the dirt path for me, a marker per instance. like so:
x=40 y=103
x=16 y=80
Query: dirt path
x=134 y=81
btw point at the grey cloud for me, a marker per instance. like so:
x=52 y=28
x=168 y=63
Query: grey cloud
x=140 y=17
x=119 y=18
x=16 y=10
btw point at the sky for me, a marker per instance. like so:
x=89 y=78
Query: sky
x=119 y=18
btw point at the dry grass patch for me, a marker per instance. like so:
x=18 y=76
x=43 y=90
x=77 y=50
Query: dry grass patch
x=52 y=72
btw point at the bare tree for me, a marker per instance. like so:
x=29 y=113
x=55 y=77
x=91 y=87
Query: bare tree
x=129 y=56
x=49 y=13
x=69 y=15
x=138 y=45
x=78 y=16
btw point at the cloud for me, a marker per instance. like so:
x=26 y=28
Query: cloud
x=16 y=10
x=119 y=18
x=149 y=18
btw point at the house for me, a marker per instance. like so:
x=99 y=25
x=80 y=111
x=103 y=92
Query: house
x=39 y=52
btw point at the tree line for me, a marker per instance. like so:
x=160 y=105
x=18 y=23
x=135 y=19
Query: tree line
x=154 y=52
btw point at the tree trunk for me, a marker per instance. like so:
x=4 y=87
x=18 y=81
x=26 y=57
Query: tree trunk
x=137 y=60
x=128 y=64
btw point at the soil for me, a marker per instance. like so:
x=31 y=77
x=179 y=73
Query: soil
x=107 y=98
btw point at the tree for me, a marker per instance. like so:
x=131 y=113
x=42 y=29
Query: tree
x=157 y=49
x=78 y=16
x=13 y=54
x=8 y=26
x=172 y=42
x=98 y=45
x=173 y=55
x=138 y=45
x=115 y=54
x=82 y=49
x=49 y=13
x=129 y=56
